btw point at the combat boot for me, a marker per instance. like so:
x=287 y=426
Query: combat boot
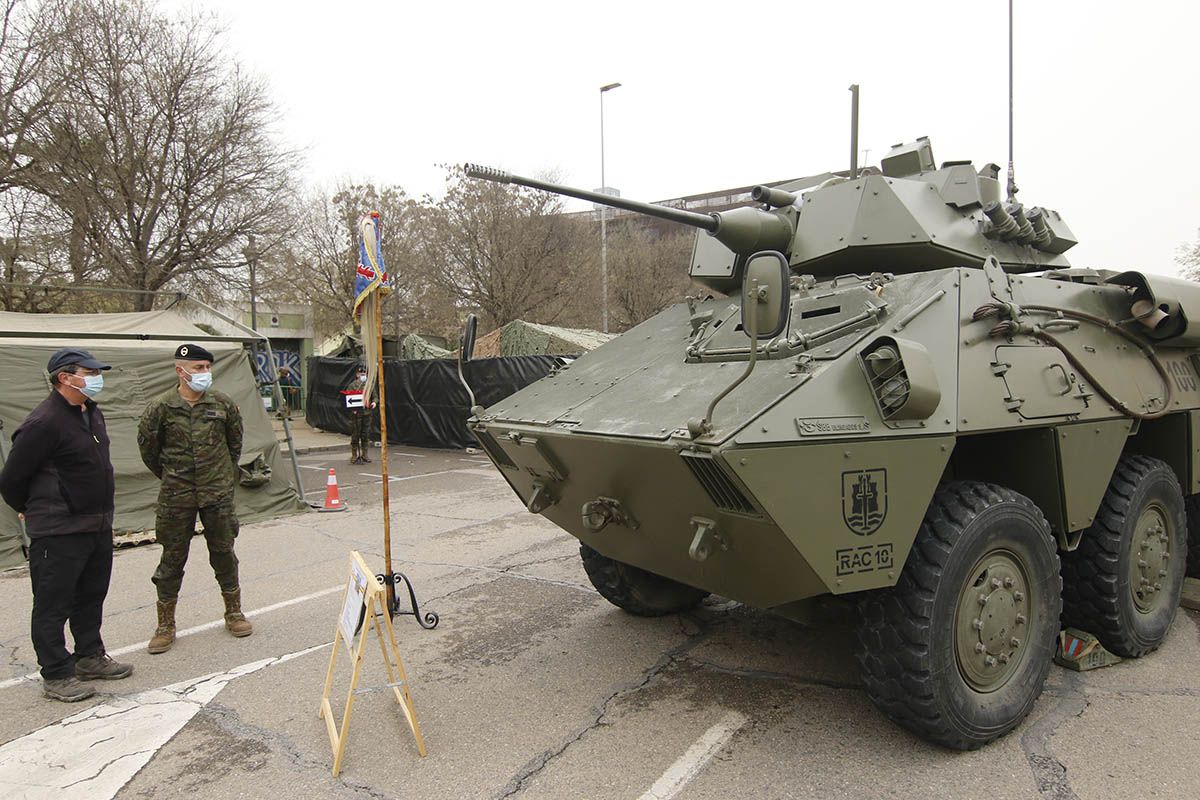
x=353 y=453
x=67 y=690
x=235 y=621
x=101 y=667
x=164 y=635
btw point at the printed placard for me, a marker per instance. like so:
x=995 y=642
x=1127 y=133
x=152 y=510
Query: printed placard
x=352 y=607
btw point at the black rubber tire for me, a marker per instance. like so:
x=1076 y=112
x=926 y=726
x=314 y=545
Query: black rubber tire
x=1097 y=596
x=907 y=650
x=635 y=590
x=1191 y=505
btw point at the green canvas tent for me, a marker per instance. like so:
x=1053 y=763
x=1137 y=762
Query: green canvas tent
x=141 y=370
x=521 y=338
x=412 y=347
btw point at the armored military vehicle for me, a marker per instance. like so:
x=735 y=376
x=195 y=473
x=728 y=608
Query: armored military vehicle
x=879 y=398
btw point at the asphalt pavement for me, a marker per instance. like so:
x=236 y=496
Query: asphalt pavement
x=532 y=685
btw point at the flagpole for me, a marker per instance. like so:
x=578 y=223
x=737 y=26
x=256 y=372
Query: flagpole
x=383 y=456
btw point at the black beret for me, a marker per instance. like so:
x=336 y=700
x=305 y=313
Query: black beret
x=73 y=355
x=192 y=352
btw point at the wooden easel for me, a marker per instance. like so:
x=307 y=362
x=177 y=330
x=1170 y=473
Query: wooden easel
x=365 y=600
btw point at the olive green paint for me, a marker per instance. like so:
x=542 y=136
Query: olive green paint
x=1087 y=454
x=806 y=489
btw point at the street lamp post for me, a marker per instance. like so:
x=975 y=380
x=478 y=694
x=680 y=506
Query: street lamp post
x=604 y=215
x=251 y=254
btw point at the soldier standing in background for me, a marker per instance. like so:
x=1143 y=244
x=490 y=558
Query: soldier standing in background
x=191 y=438
x=360 y=418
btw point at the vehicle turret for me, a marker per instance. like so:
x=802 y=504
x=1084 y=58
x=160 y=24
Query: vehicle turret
x=908 y=213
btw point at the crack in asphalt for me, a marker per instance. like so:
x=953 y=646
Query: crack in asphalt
x=104 y=767
x=672 y=657
x=12 y=656
x=1050 y=774
x=230 y=723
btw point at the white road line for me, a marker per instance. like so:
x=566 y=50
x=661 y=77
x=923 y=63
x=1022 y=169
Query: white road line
x=95 y=752
x=318 y=467
x=414 y=477
x=688 y=766
x=207 y=626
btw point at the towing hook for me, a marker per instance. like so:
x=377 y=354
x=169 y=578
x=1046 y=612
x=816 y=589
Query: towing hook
x=706 y=540
x=598 y=513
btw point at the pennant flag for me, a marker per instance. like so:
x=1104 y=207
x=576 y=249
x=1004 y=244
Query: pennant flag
x=370 y=274
x=370 y=277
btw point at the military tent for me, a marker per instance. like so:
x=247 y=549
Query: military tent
x=142 y=369
x=521 y=338
x=412 y=347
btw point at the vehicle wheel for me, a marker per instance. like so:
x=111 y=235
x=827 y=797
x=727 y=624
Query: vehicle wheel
x=1122 y=584
x=1192 y=506
x=958 y=650
x=636 y=590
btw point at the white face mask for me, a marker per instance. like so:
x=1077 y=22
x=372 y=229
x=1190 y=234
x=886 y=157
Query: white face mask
x=92 y=384
x=200 y=381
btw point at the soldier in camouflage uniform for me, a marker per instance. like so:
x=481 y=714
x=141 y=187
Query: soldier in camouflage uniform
x=191 y=438
x=360 y=419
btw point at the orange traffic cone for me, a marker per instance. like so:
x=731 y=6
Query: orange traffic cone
x=333 y=500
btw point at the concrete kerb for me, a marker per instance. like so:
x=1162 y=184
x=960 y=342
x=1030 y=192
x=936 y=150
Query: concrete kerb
x=320 y=448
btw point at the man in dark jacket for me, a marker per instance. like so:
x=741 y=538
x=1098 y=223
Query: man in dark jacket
x=60 y=477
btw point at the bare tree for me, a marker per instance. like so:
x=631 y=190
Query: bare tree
x=28 y=254
x=648 y=270
x=318 y=264
x=30 y=34
x=159 y=154
x=504 y=250
x=1188 y=258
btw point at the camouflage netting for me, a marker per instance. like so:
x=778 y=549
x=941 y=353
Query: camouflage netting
x=413 y=347
x=520 y=338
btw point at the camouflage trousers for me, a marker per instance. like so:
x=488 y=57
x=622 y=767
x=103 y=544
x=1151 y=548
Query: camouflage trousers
x=360 y=426
x=174 y=528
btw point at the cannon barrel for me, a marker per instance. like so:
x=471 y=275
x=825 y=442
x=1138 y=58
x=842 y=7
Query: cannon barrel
x=742 y=230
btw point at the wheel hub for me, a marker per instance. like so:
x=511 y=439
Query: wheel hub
x=992 y=621
x=1150 y=559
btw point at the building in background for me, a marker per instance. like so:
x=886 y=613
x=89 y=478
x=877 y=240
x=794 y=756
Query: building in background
x=289 y=327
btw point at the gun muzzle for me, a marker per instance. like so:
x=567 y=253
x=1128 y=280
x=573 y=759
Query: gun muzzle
x=487 y=173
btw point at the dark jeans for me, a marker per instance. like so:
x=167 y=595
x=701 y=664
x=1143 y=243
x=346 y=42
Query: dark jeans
x=70 y=574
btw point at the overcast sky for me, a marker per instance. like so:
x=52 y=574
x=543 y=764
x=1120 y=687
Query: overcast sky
x=716 y=95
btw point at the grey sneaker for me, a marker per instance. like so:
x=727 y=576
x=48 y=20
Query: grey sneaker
x=68 y=690
x=102 y=667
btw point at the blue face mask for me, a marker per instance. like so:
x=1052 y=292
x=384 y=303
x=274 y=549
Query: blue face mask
x=200 y=381
x=92 y=384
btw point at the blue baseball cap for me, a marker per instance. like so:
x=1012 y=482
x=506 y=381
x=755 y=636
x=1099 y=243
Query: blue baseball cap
x=76 y=356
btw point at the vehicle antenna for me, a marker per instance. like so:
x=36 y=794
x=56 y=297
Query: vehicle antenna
x=1012 y=180
x=853 y=131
